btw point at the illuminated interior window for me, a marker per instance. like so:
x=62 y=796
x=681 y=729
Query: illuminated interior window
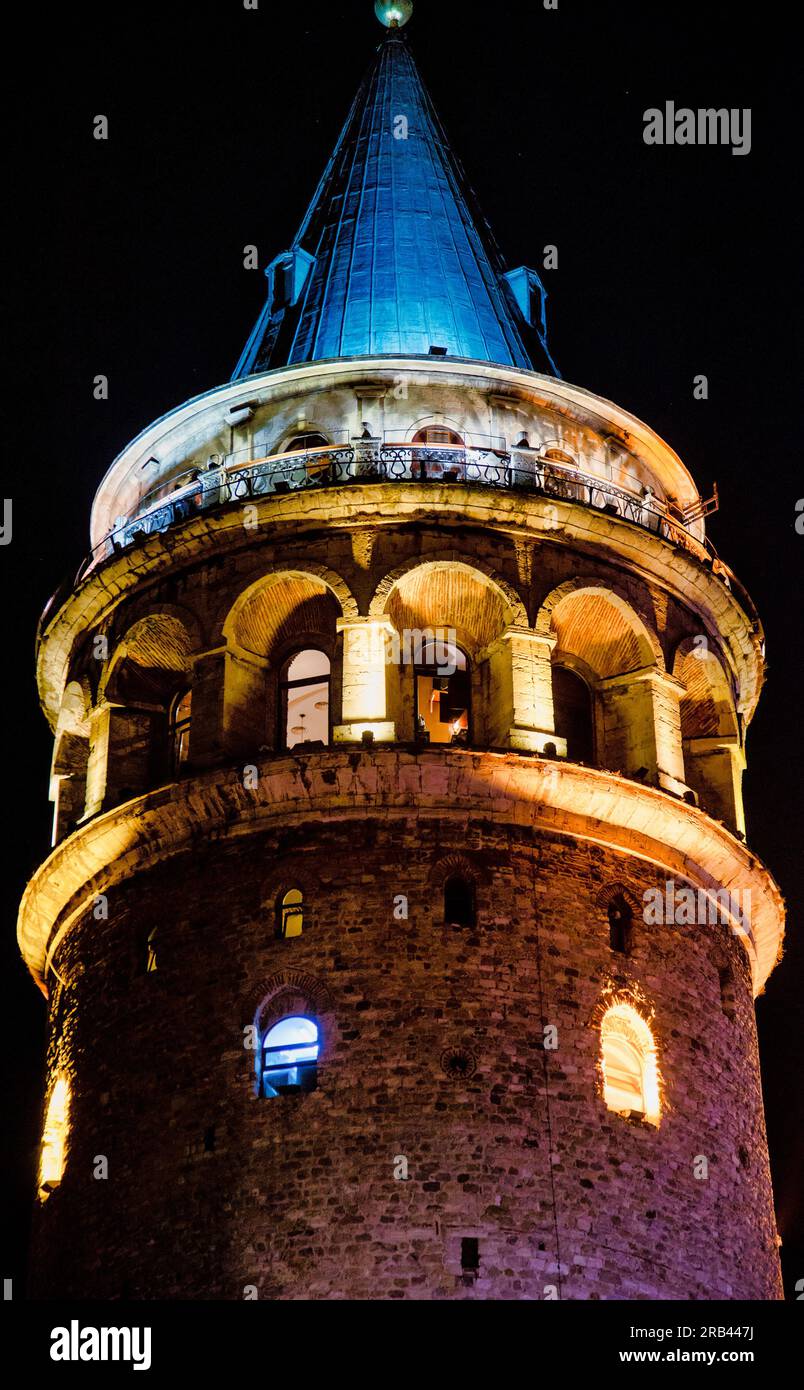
x=442 y=694
x=180 y=719
x=151 y=951
x=289 y=1057
x=459 y=902
x=290 y=915
x=305 y=698
x=628 y=1056
x=54 y=1138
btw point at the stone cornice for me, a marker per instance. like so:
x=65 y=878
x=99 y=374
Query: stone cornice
x=339 y=784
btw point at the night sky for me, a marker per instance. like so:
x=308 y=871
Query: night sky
x=672 y=262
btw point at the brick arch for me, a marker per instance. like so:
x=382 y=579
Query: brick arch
x=619 y=993
x=611 y=891
x=161 y=639
x=456 y=863
x=289 y=991
x=648 y=645
x=442 y=558
x=146 y=608
x=324 y=582
x=709 y=705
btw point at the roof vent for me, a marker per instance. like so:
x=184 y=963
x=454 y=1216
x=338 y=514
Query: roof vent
x=529 y=294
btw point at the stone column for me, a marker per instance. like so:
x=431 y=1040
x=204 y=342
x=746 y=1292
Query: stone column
x=523 y=681
x=128 y=754
x=714 y=770
x=230 y=706
x=365 y=668
x=68 y=783
x=642 y=727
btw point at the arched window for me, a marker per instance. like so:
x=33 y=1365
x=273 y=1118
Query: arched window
x=289 y=1056
x=442 y=682
x=555 y=455
x=180 y=720
x=304 y=692
x=290 y=914
x=151 y=942
x=572 y=705
x=435 y=435
x=621 y=921
x=54 y=1138
x=459 y=901
x=304 y=442
x=628 y=1059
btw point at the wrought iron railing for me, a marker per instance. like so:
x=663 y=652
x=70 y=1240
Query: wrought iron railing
x=238 y=479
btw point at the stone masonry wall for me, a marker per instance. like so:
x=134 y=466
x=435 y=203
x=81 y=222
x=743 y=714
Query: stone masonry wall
x=432 y=1051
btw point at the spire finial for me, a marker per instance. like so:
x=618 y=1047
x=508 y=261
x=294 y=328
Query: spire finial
x=393 y=13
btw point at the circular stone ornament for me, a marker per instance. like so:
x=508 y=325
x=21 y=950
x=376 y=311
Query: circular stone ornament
x=393 y=13
x=458 y=1063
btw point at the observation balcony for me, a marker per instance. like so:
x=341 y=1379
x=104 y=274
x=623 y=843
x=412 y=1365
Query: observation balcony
x=248 y=475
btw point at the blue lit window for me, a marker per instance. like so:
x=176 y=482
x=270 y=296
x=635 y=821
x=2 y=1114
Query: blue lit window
x=289 y=1057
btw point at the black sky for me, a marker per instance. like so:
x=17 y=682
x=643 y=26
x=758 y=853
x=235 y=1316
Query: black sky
x=672 y=262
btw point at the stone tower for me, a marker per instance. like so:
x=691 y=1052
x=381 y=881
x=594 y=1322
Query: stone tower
x=400 y=935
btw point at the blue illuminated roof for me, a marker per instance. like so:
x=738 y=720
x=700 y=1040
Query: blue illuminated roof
x=393 y=255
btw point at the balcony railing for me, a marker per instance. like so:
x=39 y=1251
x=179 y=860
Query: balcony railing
x=242 y=478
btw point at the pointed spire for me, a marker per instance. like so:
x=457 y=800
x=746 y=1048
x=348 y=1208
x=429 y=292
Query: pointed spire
x=393 y=255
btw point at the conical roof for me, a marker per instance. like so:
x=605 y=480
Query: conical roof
x=393 y=255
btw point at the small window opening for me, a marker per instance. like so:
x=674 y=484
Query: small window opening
x=209 y=1140
x=151 y=944
x=621 y=921
x=289 y=1057
x=459 y=902
x=728 y=1002
x=290 y=915
x=470 y=1259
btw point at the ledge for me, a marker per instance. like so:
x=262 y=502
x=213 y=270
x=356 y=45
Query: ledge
x=339 y=784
